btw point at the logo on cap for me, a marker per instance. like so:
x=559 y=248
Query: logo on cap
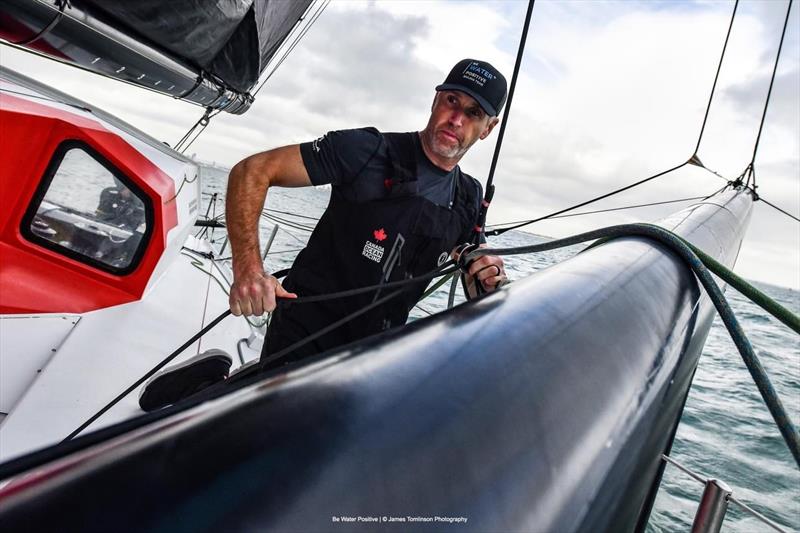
x=475 y=73
x=479 y=80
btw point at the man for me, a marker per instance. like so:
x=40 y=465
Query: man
x=118 y=206
x=399 y=207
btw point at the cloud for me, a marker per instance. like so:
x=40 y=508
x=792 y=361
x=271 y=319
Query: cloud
x=609 y=92
x=749 y=95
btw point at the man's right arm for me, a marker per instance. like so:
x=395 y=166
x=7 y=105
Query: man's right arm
x=253 y=291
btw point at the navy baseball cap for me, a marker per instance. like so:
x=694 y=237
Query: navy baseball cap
x=481 y=81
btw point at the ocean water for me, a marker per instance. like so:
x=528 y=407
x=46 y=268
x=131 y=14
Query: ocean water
x=726 y=431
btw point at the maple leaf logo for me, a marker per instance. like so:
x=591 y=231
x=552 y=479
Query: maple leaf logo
x=380 y=234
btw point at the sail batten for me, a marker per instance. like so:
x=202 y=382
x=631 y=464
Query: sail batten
x=209 y=52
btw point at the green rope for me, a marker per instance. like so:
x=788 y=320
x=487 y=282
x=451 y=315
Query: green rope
x=435 y=286
x=748 y=290
x=731 y=278
x=703 y=273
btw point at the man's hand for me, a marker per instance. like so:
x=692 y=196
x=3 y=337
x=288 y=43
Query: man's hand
x=489 y=271
x=254 y=293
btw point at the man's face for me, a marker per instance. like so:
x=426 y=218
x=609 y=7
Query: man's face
x=457 y=121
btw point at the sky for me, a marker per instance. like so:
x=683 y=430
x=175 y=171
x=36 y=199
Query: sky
x=608 y=93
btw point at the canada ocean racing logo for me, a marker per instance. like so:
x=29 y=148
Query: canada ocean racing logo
x=372 y=251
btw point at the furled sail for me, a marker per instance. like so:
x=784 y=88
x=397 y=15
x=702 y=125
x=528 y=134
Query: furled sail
x=209 y=52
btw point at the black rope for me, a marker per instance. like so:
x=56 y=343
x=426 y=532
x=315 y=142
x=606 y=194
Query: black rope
x=144 y=378
x=327 y=329
x=489 y=189
x=388 y=285
x=752 y=173
x=444 y=270
x=184 y=181
x=202 y=129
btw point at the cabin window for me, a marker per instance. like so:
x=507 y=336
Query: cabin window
x=90 y=211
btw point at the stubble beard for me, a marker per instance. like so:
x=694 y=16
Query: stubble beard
x=454 y=151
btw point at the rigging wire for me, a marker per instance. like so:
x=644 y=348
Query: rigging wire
x=494 y=233
x=750 y=171
x=201 y=123
x=293 y=236
x=751 y=166
x=204 y=121
x=715 y=173
x=727 y=184
x=779 y=209
x=314 y=18
x=290 y=223
x=693 y=160
x=615 y=209
x=489 y=189
x=716 y=78
x=211 y=205
x=316 y=219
